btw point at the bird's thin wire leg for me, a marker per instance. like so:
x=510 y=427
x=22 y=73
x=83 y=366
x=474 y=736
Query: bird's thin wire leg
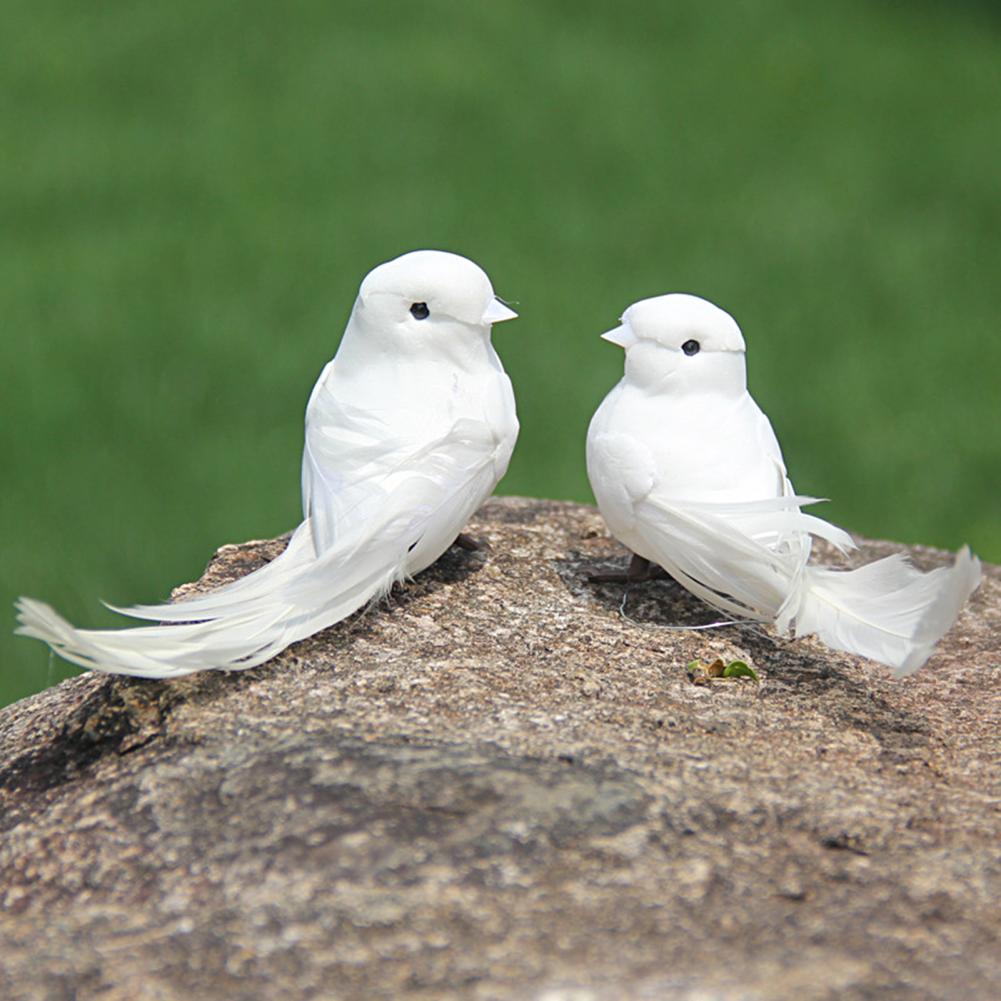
x=719 y=624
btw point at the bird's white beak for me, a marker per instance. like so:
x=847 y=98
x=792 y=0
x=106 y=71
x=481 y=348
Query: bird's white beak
x=497 y=312
x=622 y=336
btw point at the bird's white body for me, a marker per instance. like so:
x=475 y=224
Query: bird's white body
x=408 y=431
x=688 y=474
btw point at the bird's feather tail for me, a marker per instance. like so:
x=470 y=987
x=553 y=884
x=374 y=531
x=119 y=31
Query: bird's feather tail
x=737 y=569
x=247 y=622
x=283 y=602
x=230 y=598
x=887 y=610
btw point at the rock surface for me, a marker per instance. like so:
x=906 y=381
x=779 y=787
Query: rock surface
x=496 y=786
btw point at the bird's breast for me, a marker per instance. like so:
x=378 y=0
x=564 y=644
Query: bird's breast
x=707 y=449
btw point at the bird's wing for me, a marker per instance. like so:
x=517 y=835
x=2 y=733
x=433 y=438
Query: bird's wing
x=353 y=463
x=347 y=453
x=416 y=509
x=786 y=521
x=725 y=553
x=768 y=446
x=375 y=522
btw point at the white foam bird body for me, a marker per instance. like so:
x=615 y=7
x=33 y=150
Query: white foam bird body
x=408 y=431
x=688 y=474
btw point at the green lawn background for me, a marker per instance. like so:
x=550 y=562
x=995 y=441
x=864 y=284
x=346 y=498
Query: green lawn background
x=190 y=194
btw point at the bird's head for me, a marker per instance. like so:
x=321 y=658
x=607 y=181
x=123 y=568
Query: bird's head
x=680 y=342
x=427 y=300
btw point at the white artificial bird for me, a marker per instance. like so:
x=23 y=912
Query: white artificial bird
x=688 y=474
x=408 y=431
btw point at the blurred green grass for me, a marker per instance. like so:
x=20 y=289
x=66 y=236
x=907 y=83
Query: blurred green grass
x=190 y=194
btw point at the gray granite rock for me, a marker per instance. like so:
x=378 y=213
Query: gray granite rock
x=497 y=786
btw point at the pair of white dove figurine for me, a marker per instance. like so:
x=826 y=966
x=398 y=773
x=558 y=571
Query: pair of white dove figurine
x=411 y=426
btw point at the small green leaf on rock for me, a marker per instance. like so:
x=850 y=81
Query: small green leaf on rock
x=703 y=674
x=738 y=669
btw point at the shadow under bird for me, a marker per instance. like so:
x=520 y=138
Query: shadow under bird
x=689 y=475
x=408 y=431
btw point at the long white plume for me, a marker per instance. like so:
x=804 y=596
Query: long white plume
x=749 y=560
x=247 y=622
x=887 y=610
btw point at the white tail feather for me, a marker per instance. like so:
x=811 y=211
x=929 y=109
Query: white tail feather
x=283 y=602
x=750 y=561
x=250 y=620
x=886 y=610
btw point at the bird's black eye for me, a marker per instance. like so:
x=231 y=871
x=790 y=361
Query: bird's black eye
x=420 y=311
x=691 y=347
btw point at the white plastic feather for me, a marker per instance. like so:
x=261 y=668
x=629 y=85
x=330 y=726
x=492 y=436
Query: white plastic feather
x=887 y=610
x=688 y=473
x=408 y=431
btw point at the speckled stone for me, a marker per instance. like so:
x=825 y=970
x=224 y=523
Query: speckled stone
x=501 y=784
